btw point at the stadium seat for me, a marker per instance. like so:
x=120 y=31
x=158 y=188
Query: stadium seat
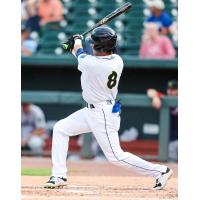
x=81 y=14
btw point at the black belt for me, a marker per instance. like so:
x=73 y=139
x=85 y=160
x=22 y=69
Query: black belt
x=90 y=105
x=109 y=102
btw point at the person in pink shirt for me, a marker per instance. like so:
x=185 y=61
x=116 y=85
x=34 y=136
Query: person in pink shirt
x=50 y=11
x=154 y=45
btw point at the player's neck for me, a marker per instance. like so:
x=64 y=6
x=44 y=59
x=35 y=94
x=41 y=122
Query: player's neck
x=102 y=54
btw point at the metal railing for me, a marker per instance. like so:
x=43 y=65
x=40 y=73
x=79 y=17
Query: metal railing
x=136 y=100
x=68 y=61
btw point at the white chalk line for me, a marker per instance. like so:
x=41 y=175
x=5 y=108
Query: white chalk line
x=88 y=192
x=84 y=190
x=67 y=191
x=56 y=197
x=68 y=186
x=84 y=187
x=96 y=197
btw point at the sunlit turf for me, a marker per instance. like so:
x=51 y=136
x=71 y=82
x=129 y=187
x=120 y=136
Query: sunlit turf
x=45 y=171
x=35 y=172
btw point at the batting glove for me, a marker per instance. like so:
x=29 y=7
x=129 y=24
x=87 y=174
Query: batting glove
x=69 y=45
x=77 y=36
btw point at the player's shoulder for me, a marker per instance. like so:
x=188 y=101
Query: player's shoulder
x=84 y=57
x=36 y=110
x=118 y=58
x=81 y=54
x=94 y=59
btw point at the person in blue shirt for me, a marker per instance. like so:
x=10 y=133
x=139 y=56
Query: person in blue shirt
x=28 y=46
x=159 y=16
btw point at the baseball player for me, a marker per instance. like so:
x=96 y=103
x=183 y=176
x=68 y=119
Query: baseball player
x=99 y=81
x=33 y=128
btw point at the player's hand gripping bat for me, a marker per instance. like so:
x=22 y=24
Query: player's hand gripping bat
x=69 y=44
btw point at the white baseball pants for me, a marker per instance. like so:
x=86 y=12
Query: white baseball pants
x=104 y=125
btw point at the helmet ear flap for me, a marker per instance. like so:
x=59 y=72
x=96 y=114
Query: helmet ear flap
x=114 y=50
x=99 y=48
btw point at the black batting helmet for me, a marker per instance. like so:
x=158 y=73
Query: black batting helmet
x=104 y=39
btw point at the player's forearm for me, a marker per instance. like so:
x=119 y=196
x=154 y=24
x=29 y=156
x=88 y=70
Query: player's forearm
x=156 y=97
x=39 y=131
x=154 y=93
x=26 y=51
x=77 y=45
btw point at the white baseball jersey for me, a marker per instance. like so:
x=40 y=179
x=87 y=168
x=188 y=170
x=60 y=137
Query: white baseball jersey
x=100 y=77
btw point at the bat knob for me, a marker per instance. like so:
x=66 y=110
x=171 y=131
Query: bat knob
x=65 y=46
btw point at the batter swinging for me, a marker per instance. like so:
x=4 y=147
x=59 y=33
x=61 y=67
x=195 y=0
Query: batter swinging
x=99 y=80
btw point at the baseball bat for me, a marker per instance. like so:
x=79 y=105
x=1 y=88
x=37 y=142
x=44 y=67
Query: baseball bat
x=105 y=20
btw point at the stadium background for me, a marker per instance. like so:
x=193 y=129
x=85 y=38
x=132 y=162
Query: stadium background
x=50 y=73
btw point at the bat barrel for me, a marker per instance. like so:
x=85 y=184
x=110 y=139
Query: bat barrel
x=126 y=6
x=109 y=17
x=106 y=19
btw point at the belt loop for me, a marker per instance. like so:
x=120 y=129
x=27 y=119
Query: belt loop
x=90 y=105
x=109 y=102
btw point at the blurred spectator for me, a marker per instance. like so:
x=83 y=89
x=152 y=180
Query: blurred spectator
x=159 y=16
x=28 y=46
x=154 y=45
x=24 y=15
x=32 y=22
x=172 y=90
x=174 y=32
x=95 y=149
x=129 y=134
x=50 y=11
x=33 y=125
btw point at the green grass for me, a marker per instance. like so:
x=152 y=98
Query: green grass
x=35 y=172
x=44 y=172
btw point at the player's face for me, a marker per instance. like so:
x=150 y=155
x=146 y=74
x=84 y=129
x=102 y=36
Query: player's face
x=25 y=108
x=172 y=92
x=93 y=51
x=25 y=35
x=96 y=53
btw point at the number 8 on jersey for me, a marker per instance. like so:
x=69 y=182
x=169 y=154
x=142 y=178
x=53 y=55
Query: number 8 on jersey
x=112 y=80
